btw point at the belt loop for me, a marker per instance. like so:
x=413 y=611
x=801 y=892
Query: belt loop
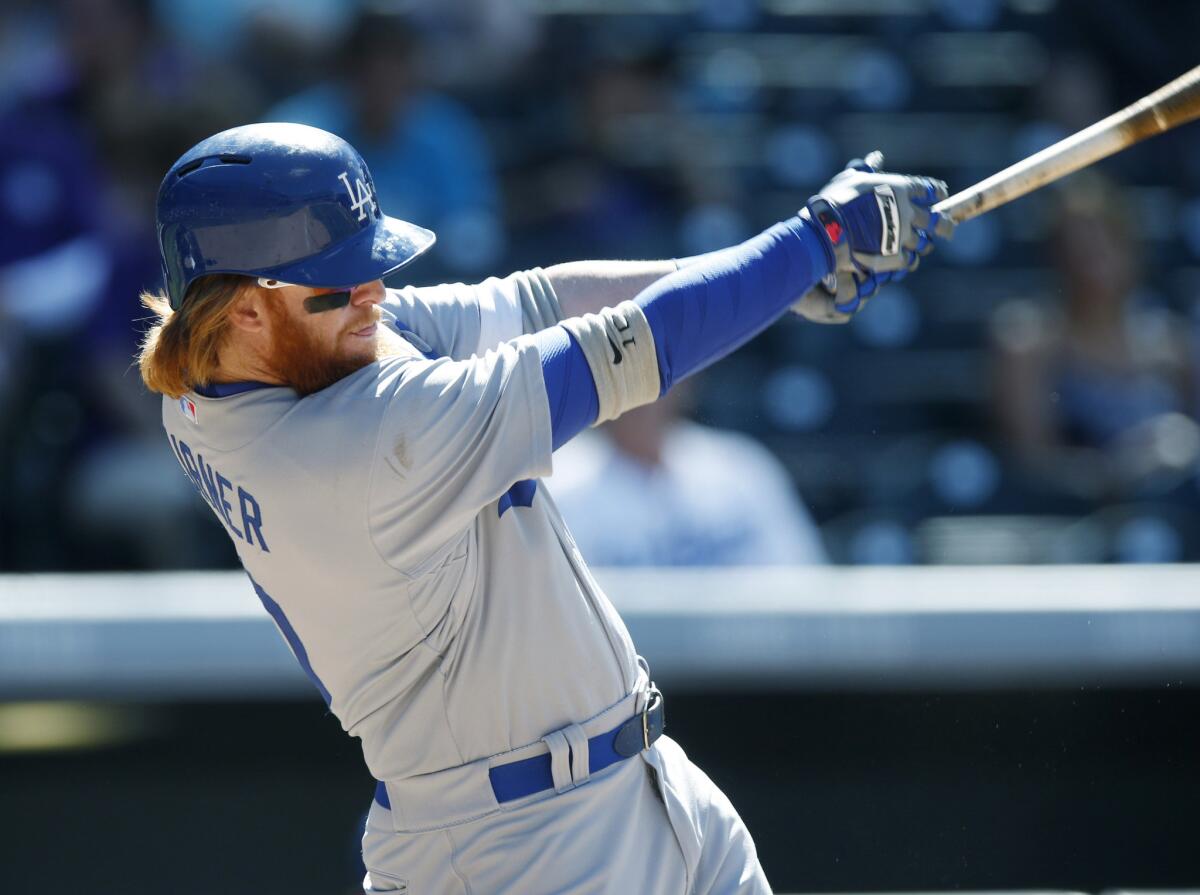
x=560 y=760
x=580 y=758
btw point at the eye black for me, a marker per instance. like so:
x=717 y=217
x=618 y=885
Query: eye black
x=327 y=301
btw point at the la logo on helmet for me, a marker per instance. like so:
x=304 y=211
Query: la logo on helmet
x=357 y=202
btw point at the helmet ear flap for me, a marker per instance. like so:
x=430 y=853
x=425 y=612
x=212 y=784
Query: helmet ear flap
x=179 y=250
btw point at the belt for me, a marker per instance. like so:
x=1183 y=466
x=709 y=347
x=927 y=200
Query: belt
x=518 y=779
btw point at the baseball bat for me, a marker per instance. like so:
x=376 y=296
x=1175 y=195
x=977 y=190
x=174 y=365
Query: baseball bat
x=1169 y=106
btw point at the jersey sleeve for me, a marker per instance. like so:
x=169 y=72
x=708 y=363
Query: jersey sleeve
x=460 y=320
x=455 y=437
x=445 y=317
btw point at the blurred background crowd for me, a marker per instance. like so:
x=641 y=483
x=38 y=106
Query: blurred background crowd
x=1029 y=396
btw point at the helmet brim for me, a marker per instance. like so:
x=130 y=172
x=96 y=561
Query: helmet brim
x=370 y=255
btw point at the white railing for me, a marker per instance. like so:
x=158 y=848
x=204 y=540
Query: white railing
x=205 y=635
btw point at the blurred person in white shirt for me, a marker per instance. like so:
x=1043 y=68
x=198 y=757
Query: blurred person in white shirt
x=652 y=488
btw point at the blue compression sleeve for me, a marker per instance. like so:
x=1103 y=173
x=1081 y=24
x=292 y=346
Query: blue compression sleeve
x=574 y=404
x=723 y=299
x=697 y=315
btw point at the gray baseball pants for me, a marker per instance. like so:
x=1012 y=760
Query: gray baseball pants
x=650 y=824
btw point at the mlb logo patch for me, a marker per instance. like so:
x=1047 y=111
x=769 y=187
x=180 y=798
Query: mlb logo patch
x=188 y=408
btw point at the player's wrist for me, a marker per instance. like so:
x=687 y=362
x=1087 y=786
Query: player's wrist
x=817 y=235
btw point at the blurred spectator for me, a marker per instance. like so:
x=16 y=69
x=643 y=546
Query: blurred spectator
x=474 y=43
x=1094 y=394
x=82 y=148
x=653 y=489
x=617 y=133
x=215 y=27
x=1074 y=94
x=613 y=175
x=142 y=99
x=429 y=157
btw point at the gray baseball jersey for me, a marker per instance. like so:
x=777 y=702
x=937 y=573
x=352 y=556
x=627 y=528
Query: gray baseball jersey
x=394 y=527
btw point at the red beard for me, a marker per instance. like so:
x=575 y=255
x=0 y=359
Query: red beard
x=302 y=362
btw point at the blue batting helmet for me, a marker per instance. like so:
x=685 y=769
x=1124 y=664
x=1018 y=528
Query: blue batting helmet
x=284 y=201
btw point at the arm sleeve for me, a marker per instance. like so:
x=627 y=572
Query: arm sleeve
x=455 y=436
x=597 y=366
x=570 y=389
x=680 y=324
x=719 y=302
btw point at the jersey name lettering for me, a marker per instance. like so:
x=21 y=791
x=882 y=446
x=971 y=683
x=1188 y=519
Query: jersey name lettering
x=218 y=491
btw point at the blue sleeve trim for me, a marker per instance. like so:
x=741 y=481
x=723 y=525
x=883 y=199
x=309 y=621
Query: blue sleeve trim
x=289 y=634
x=570 y=389
x=723 y=299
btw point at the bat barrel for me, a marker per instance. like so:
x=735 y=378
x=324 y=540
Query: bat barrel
x=1173 y=104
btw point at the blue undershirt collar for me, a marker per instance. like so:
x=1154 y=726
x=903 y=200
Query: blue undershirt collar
x=227 y=389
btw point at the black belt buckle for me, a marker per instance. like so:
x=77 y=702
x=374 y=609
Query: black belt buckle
x=640 y=731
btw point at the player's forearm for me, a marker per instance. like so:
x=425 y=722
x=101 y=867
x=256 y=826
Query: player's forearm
x=629 y=354
x=720 y=301
x=587 y=287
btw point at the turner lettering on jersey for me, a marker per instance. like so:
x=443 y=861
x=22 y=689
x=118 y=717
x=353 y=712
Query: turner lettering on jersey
x=218 y=491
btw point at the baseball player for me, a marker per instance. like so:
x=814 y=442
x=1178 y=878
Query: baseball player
x=375 y=455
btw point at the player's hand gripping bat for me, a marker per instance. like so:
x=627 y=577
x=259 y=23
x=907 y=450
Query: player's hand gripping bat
x=1171 y=105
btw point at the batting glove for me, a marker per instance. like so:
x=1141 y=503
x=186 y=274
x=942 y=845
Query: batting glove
x=877 y=227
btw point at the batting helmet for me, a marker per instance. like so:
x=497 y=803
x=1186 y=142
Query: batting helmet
x=284 y=201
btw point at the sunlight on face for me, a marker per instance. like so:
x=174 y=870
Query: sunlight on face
x=312 y=351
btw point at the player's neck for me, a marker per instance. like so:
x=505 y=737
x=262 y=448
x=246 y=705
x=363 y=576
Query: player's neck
x=240 y=363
